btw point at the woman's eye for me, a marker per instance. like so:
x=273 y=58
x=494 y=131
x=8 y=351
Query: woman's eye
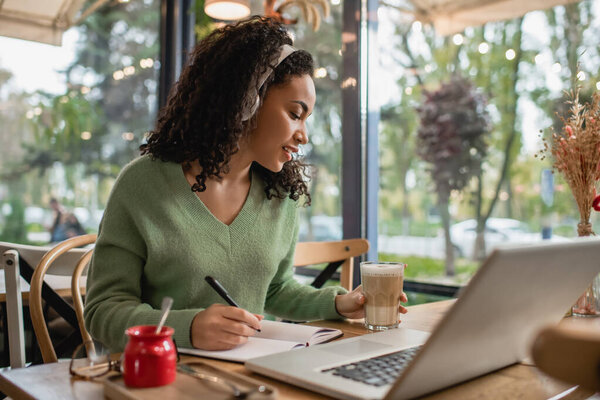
x=294 y=115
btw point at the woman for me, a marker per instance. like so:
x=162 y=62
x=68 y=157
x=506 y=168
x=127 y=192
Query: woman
x=215 y=193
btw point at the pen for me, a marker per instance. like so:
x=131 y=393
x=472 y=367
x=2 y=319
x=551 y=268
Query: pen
x=222 y=292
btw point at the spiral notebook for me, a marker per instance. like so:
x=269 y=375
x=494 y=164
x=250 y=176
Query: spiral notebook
x=274 y=337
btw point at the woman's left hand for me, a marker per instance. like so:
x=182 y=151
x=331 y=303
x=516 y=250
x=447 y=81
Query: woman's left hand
x=351 y=305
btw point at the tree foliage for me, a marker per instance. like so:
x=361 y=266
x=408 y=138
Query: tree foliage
x=451 y=139
x=451 y=136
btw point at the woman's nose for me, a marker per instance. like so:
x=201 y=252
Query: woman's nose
x=301 y=137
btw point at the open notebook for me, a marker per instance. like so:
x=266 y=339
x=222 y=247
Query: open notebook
x=274 y=337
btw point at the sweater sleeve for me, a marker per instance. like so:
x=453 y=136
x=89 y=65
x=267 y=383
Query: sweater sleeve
x=288 y=298
x=114 y=284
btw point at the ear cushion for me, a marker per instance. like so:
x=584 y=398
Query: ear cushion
x=251 y=110
x=250 y=106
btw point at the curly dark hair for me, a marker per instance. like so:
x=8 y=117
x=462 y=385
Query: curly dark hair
x=203 y=118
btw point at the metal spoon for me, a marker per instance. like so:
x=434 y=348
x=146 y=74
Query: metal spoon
x=165 y=307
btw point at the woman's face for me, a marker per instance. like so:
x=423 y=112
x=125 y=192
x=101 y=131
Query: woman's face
x=281 y=122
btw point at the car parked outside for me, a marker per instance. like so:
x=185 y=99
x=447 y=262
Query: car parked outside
x=497 y=230
x=323 y=228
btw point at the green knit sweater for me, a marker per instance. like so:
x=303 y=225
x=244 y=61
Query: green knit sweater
x=158 y=239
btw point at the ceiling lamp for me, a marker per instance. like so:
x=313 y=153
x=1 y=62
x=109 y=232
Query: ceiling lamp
x=227 y=10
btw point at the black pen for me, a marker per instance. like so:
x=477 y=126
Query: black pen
x=223 y=293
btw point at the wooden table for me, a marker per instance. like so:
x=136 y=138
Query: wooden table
x=520 y=381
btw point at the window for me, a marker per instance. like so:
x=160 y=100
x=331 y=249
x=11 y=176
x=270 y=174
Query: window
x=520 y=68
x=322 y=220
x=73 y=116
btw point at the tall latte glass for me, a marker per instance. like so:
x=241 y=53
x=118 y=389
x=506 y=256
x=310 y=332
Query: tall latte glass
x=382 y=284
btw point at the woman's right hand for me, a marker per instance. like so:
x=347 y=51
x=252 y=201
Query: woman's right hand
x=221 y=327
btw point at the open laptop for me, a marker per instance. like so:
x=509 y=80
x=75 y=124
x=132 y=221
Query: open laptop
x=516 y=291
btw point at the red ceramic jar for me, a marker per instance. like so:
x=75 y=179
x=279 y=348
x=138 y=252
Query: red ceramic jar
x=149 y=359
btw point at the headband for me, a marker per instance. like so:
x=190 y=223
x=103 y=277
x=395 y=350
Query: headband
x=284 y=52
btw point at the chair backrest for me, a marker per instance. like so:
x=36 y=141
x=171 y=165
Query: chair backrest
x=33 y=255
x=35 y=295
x=19 y=261
x=310 y=253
x=76 y=292
x=570 y=352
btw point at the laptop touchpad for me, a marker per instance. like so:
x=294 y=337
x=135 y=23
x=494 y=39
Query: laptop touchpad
x=357 y=347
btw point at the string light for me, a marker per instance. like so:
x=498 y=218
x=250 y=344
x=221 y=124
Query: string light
x=118 y=75
x=556 y=67
x=458 y=39
x=130 y=70
x=146 y=63
x=127 y=136
x=320 y=73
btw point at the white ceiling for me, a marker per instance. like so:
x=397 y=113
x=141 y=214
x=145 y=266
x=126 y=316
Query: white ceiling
x=453 y=16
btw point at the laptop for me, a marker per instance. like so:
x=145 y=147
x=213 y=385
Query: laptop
x=517 y=290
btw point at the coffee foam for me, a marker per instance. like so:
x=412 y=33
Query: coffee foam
x=382 y=269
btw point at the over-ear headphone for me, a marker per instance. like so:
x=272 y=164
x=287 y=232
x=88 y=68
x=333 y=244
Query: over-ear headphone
x=252 y=100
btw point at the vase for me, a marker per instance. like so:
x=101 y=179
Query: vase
x=588 y=304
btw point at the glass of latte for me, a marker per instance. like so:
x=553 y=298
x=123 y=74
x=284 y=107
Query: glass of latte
x=382 y=284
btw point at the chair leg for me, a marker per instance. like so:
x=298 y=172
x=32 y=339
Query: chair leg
x=33 y=351
x=5 y=361
x=326 y=274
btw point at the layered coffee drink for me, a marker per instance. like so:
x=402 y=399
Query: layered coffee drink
x=382 y=284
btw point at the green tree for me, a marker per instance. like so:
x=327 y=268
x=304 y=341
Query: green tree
x=96 y=126
x=451 y=138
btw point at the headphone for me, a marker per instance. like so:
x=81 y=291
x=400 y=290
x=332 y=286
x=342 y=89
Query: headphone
x=284 y=52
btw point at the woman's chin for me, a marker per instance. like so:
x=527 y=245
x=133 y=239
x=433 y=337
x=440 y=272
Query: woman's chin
x=273 y=168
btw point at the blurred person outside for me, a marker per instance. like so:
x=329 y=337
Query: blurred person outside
x=65 y=225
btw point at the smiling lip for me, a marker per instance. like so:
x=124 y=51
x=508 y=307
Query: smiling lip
x=289 y=150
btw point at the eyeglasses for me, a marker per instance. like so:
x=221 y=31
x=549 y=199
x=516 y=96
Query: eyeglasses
x=92 y=360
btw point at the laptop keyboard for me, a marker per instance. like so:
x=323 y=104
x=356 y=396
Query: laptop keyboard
x=376 y=371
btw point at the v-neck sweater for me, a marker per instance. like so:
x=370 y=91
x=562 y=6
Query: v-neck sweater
x=158 y=239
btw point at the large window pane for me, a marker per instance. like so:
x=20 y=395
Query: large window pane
x=521 y=68
x=322 y=220
x=72 y=116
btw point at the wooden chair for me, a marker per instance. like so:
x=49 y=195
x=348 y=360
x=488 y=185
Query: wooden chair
x=336 y=253
x=35 y=296
x=19 y=261
x=570 y=352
